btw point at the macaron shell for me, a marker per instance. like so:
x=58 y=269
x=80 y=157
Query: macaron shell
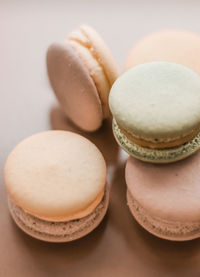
x=56 y=175
x=157 y=101
x=182 y=47
x=74 y=87
x=59 y=231
x=97 y=74
x=101 y=52
x=168 y=192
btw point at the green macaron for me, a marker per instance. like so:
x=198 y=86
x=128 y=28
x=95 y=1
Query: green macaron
x=156 y=111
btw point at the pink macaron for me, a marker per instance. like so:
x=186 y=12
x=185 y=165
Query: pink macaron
x=81 y=72
x=164 y=199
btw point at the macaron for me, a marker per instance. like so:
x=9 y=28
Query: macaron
x=164 y=199
x=156 y=111
x=179 y=46
x=81 y=72
x=56 y=184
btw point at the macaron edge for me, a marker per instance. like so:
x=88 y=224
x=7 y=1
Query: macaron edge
x=169 y=230
x=155 y=155
x=92 y=221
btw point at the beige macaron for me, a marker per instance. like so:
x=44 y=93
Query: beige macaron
x=56 y=186
x=81 y=72
x=179 y=46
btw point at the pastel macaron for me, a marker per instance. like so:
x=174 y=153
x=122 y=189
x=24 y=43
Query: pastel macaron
x=179 y=46
x=164 y=199
x=56 y=184
x=156 y=111
x=81 y=72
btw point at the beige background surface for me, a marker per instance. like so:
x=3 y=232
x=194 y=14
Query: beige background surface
x=119 y=247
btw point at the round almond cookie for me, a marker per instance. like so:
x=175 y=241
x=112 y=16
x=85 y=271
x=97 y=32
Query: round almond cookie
x=179 y=46
x=56 y=186
x=164 y=199
x=81 y=72
x=156 y=110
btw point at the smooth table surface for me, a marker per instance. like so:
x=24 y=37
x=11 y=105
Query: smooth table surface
x=119 y=246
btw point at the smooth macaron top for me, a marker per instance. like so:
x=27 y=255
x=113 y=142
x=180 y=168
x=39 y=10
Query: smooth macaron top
x=157 y=101
x=179 y=46
x=56 y=175
x=74 y=87
x=168 y=192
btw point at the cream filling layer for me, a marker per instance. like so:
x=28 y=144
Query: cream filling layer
x=81 y=44
x=161 y=140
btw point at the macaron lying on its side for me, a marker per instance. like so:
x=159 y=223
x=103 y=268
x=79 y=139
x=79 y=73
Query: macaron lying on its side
x=164 y=199
x=56 y=184
x=156 y=110
x=81 y=72
x=179 y=46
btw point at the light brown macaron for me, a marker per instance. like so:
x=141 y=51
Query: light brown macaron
x=81 y=72
x=56 y=183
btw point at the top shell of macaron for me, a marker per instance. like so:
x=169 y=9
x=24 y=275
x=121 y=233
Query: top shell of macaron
x=157 y=100
x=55 y=174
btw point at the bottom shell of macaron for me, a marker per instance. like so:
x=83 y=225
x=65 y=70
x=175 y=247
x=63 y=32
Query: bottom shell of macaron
x=166 y=229
x=167 y=155
x=59 y=231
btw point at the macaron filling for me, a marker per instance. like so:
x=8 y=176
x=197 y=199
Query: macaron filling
x=165 y=155
x=167 y=229
x=59 y=231
x=160 y=143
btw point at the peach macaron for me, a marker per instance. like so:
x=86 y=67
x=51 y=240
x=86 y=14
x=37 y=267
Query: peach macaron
x=56 y=184
x=81 y=72
x=179 y=46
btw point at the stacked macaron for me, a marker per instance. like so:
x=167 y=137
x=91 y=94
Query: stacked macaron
x=156 y=111
x=156 y=119
x=164 y=199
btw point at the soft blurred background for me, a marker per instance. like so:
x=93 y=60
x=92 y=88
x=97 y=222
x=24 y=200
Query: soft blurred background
x=27 y=105
x=28 y=27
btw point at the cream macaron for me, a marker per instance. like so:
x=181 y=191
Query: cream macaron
x=81 y=72
x=164 y=199
x=56 y=184
x=156 y=110
x=179 y=46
